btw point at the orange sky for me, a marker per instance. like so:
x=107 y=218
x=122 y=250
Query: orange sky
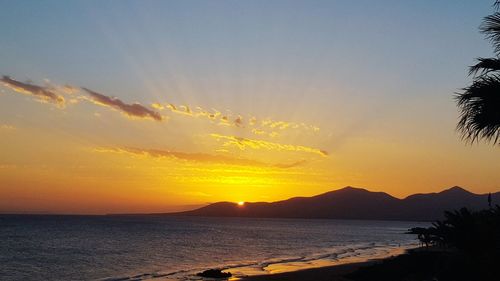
x=88 y=157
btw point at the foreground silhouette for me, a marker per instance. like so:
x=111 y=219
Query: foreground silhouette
x=465 y=246
x=479 y=103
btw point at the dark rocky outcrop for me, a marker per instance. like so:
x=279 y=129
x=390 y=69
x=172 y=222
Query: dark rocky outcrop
x=214 y=273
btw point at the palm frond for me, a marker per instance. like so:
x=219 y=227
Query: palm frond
x=484 y=66
x=491 y=28
x=479 y=107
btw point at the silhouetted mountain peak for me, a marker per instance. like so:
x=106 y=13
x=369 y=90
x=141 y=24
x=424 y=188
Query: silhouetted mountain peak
x=352 y=188
x=353 y=203
x=348 y=191
x=456 y=190
x=360 y=192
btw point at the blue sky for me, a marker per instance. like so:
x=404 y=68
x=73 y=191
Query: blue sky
x=98 y=42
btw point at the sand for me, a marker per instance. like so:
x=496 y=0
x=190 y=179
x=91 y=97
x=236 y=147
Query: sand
x=323 y=271
x=330 y=273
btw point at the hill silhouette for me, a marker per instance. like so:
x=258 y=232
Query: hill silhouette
x=353 y=203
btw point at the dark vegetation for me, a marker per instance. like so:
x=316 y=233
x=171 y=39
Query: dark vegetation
x=463 y=246
x=479 y=103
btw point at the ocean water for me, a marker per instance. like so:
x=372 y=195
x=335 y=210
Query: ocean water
x=175 y=248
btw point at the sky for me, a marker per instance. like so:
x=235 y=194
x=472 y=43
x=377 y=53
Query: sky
x=152 y=106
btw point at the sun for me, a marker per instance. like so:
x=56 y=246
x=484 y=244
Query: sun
x=241 y=203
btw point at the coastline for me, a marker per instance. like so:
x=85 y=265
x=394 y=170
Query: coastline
x=326 y=273
x=332 y=271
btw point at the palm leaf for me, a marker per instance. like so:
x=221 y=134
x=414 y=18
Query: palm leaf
x=491 y=28
x=479 y=107
x=485 y=65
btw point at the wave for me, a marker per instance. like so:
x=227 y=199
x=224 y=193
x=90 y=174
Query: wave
x=331 y=256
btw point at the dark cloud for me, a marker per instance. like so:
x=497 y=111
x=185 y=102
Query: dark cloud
x=238 y=121
x=43 y=93
x=132 y=110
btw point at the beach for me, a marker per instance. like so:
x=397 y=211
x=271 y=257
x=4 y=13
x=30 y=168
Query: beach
x=412 y=264
x=330 y=273
x=333 y=271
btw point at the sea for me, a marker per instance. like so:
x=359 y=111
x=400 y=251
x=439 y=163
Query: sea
x=112 y=248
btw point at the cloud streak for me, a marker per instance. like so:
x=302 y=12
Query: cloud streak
x=7 y=127
x=196 y=157
x=266 y=126
x=56 y=94
x=132 y=110
x=243 y=143
x=47 y=94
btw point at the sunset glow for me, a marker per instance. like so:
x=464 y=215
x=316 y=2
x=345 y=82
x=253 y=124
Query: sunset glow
x=196 y=105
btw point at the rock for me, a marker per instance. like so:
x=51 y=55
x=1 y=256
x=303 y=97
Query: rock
x=214 y=273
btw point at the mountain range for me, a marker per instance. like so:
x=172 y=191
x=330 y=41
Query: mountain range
x=353 y=203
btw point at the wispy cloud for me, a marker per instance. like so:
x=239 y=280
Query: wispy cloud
x=260 y=132
x=291 y=165
x=6 y=127
x=243 y=143
x=132 y=110
x=181 y=109
x=56 y=94
x=196 y=157
x=157 y=106
x=263 y=127
x=283 y=125
x=46 y=94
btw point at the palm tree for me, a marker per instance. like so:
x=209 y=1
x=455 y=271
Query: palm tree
x=479 y=104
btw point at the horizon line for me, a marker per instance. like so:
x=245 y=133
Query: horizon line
x=43 y=213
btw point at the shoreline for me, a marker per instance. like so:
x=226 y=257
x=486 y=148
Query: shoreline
x=333 y=271
x=325 y=273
